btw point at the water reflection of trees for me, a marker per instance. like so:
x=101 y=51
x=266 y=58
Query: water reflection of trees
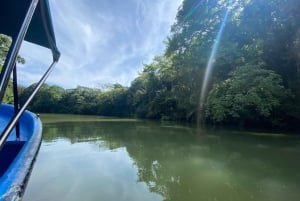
x=149 y=144
x=180 y=164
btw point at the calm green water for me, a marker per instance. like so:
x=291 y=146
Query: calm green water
x=91 y=159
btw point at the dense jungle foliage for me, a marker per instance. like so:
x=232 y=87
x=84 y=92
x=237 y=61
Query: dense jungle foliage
x=255 y=80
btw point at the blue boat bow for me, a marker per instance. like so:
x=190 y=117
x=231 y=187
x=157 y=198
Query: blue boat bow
x=21 y=130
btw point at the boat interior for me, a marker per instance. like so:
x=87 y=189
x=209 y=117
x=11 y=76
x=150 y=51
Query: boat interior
x=8 y=153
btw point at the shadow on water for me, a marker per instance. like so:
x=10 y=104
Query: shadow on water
x=178 y=163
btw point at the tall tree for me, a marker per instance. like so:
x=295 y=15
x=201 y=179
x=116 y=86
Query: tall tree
x=250 y=95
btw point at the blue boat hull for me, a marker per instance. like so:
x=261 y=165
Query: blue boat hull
x=17 y=156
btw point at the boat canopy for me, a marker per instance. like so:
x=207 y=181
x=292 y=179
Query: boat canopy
x=28 y=20
x=40 y=30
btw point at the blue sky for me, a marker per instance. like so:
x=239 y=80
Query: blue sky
x=101 y=41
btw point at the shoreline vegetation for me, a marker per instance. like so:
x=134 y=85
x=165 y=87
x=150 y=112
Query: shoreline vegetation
x=255 y=82
x=260 y=132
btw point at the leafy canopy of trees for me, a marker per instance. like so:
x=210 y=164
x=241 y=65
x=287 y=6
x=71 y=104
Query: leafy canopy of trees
x=250 y=94
x=5 y=43
x=255 y=79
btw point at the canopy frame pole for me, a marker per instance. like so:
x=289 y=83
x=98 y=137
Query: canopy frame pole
x=17 y=116
x=14 y=49
x=16 y=99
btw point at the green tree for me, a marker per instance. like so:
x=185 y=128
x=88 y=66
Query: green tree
x=114 y=102
x=257 y=33
x=47 y=100
x=73 y=100
x=250 y=95
x=5 y=43
x=143 y=91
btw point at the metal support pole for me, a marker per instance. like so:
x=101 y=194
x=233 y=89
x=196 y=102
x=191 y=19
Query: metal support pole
x=14 y=49
x=16 y=117
x=16 y=99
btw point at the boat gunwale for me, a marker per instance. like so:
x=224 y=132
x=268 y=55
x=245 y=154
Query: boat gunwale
x=14 y=180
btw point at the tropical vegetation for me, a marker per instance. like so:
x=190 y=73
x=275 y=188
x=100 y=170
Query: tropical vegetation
x=254 y=79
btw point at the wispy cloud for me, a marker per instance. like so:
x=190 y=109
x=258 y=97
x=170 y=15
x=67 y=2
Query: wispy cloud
x=103 y=41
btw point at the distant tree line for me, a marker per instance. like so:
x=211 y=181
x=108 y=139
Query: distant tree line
x=255 y=81
x=82 y=100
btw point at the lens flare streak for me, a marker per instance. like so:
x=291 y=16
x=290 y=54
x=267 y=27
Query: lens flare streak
x=211 y=61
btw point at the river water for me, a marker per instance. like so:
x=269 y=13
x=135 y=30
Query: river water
x=107 y=159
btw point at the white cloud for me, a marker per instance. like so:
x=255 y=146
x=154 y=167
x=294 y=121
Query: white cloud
x=105 y=41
